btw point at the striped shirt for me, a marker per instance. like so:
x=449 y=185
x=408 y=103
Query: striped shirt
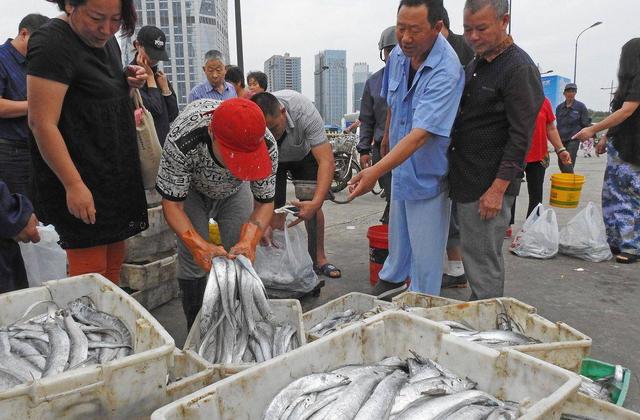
x=13 y=86
x=206 y=91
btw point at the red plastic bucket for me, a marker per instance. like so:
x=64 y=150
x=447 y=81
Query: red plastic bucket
x=378 y=250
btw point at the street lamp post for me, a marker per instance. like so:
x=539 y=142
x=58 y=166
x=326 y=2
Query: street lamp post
x=239 y=35
x=575 y=59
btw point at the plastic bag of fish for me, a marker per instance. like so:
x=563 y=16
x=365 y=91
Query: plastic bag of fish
x=237 y=324
x=335 y=321
x=415 y=388
x=59 y=340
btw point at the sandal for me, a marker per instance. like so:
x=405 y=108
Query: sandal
x=626 y=258
x=329 y=270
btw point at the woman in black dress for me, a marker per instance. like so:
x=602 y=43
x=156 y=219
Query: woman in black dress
x=87 y=179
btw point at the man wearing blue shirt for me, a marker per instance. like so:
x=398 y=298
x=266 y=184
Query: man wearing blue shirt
x=215 y=87
x=423 y=83
x=14 y=131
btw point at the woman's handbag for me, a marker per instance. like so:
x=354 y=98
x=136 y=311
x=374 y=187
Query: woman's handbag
x=148 y=145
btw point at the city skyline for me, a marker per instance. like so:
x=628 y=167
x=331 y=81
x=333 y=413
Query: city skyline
x=331 y=85
x=283 y=72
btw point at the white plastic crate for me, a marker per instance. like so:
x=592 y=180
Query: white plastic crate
x=509 y=375
x=157 y=222
x=142 y=249
x=153 y=198
x=159 y=295
x=561 y=344
x=581 y=405
x=358 y=302
x=123 y=388
x=284 y=310
x=149 y=275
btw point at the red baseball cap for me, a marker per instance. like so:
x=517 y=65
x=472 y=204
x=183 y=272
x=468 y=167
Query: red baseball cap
x=238 y=127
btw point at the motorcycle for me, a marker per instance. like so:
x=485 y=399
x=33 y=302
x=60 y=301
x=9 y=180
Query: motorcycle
x=345 y=157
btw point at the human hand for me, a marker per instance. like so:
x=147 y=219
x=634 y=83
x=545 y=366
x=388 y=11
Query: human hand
x=136 y=76
x=601 y=147
x=365 y=160
x=30 y=232
x=80 y=203
x=584 y=134
x=163 y=83
x=250 y=236
x=491 y=203
x=202 y=251
x=308 y=209
x=384 y=146
x=565 y=157
x=362 y=182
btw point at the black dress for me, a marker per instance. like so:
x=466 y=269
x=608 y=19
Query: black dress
x=98 y=128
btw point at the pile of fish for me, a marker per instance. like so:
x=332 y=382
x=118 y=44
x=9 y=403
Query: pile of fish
x=60 y=340
x=338 y=320
x=602 y=388
x=236 y=321
x=507 y=332
x=416 y=388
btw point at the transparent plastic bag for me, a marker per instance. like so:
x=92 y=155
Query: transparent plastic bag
x=286 y=265
x=539 y=236
x=585 y=236
x=44 y=260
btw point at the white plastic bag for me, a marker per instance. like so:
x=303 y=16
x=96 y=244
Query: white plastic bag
x=539 y=236
x=45 y=260
x=287 y=265
x=585 y=236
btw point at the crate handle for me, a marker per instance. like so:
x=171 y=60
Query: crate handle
x=66 y=393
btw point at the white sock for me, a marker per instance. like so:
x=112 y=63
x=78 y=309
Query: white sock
x=454 y=268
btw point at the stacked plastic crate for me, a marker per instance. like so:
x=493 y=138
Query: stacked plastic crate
x=151 y=260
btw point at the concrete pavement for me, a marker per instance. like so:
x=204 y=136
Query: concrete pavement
x=599 y=299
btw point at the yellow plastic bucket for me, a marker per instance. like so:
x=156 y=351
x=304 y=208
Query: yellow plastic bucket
x=565 y=190
x=214 y=232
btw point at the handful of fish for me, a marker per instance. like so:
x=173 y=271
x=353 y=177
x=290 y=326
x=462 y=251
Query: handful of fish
x=60 y=340
x=236 y=321
x=395 y=389
x=507 y=332
x=338 y=320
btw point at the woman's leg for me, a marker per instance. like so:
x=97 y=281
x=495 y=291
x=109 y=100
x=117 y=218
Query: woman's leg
x=87 y=260
x=115 y=258
x=535 y=184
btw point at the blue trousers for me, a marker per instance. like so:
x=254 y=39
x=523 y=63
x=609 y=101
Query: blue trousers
x=418 y=232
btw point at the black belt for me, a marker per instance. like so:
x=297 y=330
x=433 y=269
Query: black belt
x=18 y=144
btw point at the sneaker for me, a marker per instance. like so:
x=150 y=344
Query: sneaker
x=508 y=234
x=449 y=282
x=386 y=290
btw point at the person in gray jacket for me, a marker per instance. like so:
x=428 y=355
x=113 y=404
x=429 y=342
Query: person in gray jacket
x=373 y=116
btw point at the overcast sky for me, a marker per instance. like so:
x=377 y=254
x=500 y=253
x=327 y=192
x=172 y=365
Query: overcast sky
x=546 y=29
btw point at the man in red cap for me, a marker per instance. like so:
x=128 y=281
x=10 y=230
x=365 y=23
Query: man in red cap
x=212 y=148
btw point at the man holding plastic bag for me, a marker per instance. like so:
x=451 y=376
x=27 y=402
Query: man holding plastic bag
x=17 y=224
x=212 y=148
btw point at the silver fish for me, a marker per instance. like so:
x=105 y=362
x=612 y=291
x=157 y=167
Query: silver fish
x=60 y=346
x=355 y=394
x=303 y=386
x=79 y=350
x=442 y=407
x=378 y=406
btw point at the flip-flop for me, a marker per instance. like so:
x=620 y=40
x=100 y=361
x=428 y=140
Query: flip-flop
x=328 y=269
x=626 y=258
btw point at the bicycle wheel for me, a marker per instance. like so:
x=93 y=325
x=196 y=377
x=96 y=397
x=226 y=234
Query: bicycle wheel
x=342 y=176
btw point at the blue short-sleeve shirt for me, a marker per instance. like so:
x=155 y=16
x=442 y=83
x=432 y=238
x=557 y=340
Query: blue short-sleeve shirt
x=431 y=104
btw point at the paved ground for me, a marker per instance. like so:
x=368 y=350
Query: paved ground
x=599 y=299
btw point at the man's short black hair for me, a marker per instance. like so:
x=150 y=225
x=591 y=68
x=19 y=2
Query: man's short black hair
x=32 y=21
x=445 y=18
x=268 y=103
x=260 y=78
x=235 y=75
x=434 y=7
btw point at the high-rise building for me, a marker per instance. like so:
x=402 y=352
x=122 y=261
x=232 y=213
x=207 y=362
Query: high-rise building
x=360 y=76
x=331 y=85
x=192 y=27
x=284 y=72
